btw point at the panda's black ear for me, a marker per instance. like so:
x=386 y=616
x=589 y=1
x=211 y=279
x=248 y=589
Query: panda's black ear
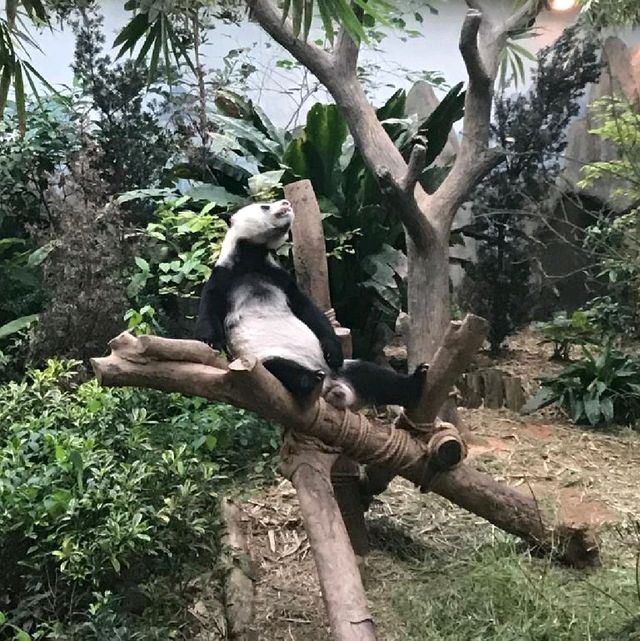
x=226 y=216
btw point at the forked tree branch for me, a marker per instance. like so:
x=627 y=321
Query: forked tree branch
x=345 y=53
x=337 y=72
x=469 y=48
x=482 y=39
x=316 y=59
x=247 y=384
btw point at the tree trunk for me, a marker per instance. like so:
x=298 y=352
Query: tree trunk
x=428 y=299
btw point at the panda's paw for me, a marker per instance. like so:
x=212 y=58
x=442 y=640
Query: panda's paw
x=421 y=371
x=209 y=335
x=339 y=395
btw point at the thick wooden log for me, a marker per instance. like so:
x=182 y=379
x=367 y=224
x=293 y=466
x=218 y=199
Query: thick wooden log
x=309 y=249
x=249 y=385
x=517 y=514
x=461 y=341
x=312 y=274
x=338 y=571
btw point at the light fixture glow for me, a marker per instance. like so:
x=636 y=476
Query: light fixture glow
x=562 y=5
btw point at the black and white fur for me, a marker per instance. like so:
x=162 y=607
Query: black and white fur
x=251 y=306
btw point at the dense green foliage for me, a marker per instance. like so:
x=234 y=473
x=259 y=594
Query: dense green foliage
x=108 y=498
x=596 y=390
x=179 y=250
x=613 y=241
x=566 y=332
x=605 y=388
x=608 y=13
x=25 y=163
x=532 y=129
x=132 y=144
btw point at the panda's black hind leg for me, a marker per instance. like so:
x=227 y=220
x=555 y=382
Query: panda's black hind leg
x=378 y=385
x=299 y=380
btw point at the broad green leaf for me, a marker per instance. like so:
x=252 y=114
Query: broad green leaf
x=38 y=256
x=592 y=410
x=542 y=398
x=214 y=194
x=142 y=264
x=317 y=154
x=17 y=325
x=263 y=184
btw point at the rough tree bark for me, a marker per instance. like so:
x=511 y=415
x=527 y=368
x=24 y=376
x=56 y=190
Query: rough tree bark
x=427 y=218
x=312 y=274
x=238 y=583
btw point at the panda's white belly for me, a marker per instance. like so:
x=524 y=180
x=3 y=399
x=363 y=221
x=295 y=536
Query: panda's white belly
x=265 y=327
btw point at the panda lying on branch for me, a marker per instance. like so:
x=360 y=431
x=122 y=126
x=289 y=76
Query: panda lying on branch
x=251 y=306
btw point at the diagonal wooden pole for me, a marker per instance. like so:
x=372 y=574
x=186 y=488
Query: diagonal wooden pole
x=312 y=274
x=333 y=532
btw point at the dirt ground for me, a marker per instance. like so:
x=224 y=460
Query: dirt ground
x=593 y=478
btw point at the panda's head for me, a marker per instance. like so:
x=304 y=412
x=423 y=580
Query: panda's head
x=263 y=223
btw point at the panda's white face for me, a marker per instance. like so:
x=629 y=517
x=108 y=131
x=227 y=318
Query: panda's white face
x=263 y=223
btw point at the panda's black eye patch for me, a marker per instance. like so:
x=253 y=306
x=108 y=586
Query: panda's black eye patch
x=265 y=207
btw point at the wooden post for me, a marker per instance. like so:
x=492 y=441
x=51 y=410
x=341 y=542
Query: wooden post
x=321 y=507
x=310 y=254
x=312 y=274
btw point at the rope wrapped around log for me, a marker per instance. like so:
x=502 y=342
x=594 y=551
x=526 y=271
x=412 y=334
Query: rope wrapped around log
x=245 y=383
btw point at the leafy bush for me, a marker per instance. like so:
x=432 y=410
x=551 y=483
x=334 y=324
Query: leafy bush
x=133 y=145
x=26 y=165
x=107 y=498
x=178 y=252
x=595 y=390
x=613 y=240
x=565 y=332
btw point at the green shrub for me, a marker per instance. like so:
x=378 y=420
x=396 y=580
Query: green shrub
x=178 y=252
x=595 y=390
x=565 y=332
x=108 y=493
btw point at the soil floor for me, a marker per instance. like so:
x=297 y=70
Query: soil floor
x=593 y=478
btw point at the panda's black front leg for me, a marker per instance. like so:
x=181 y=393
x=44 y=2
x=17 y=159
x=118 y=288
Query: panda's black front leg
x=304 y=308
x=212 y=310
x=299 y=380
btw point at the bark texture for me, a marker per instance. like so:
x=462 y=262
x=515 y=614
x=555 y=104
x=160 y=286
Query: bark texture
x=309 y=470
x=312 y=274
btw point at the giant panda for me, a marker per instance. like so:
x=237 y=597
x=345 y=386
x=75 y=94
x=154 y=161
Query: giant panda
x=252 y=306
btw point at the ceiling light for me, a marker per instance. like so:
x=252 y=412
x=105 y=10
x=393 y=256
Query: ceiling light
x=562 y=5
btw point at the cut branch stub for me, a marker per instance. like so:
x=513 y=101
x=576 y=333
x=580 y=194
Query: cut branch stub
x=470 y=51
x=461 y=341
x=459 y=345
